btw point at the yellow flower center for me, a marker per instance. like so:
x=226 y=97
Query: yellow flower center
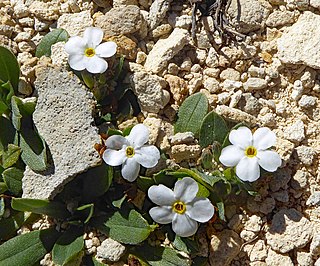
x=179 y=207
x=251 y=151
x=89 y=52
x=129 y=151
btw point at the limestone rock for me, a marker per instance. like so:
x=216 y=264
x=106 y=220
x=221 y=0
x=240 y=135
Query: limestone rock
x=258 y=251
x=157 y=12
x=182 y=152
x=304 y=258
x=76 y=23
x=165 y=49
x=307 y=101
x=300 y=179
x=253 y=84
x=45 y=10
x=178 y=87
x=289 y=230
x=182 y=138
x=249 y=15
x=224 y=247
x=110 y=250
x=295 y=132
x=314 y=199
x=150 y=91
x=63 y=117
x=300 y=45
x=235 y=115
x=59 y=55
x=122 y=20
x=276 y=259
x=280 y=18
x=305 y=154
x=315 y=245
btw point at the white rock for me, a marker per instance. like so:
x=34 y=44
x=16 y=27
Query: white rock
x=314 y=199
x=276 y=259
x=259 y=251
x=289 y=230
x=75 y=24
x=280 y=18
x=211 y=84
x=150 y=91
x=304 y=258
x=300 y=179
x=110 y=250
x=300 y=45
x=315 y=3
x=59 y=55
x=295 y=132
x=157 y=12
x=182 y=152
x=230 y=74
x=182 y=138
x=297 y=90
x=306 y=154
x=231 y=85
x=69 y=135
x=307 y=101
x=165 y=49
x=315 y=245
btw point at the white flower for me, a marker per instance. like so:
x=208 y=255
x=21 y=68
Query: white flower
x=248 y=152
x=180 y=207
x=86 y=52
x=131 y=151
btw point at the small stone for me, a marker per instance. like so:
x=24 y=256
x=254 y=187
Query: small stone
x=150 y=91
x=69 y=135
x=120 y=3
x=178 y=88
x=304 y=258
x=183 y=22
x=212 y=72
x=224 y=247
x=276 y=259
x=24 y=87
x=251 y=16
x=280 y=179
x=212 y=60
x=289 y=230
x=231 y=85
x=267 y=205
x=235 y=115
x=305 y=154
x=314 y=199
x=285 y=149
x=195 y=83
x=281 y=195
x=141 y=57
x=259 y=251
x=295 y=132
x=297 y=90
x=122 y=20
x=111 y=250
x=45 y=10
x=154 y=125
x=317 y=263
x=253 y=84
x=161 y=30
x=59 y=55
x=280 y=18
x=230 y=74
x=182 y=152
x=315 y=245
x=157 y=12
x=76 y=23
x=249 y=104
x=300 y=179
x=165 y=49
x=307 y=101
x=125 y=46
x=182 y=138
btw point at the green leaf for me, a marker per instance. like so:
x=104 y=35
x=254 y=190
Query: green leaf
x=87 y=210
x=56 y=35
x=34 y=150
x=7 y=133
x=9 y=66
x=220 y=206
x=10 y=225
x=184 y=244
x=87 y=79
x=10 y=156
x=2 y=208
x=27 y=249
x=6 y=93
x=96 y=182
x=125 y=227
x=68 y=247
x=3 y=187
x=50 y=208
x=13 y=179
x=160 y=256
x=21 y=109
x=191 y=113
x=213 y=128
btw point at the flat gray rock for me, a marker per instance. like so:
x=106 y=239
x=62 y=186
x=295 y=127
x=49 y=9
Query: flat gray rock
x=63 y=117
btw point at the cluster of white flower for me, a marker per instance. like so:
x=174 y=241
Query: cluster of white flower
x=180 y=207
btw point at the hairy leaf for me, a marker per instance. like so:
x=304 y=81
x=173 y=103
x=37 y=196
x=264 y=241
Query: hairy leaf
x=13 y=179
x=10 y=156
x=9 y=68
x=56 y=35
x=191 y=113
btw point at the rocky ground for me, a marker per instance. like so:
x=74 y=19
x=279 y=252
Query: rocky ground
x=269 y=79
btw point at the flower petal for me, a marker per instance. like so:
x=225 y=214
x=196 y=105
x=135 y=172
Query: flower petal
x=106 y=49
x=139 y=135
x=130 y=169
x=161 y=215
x=241 y=137
x=269 y=160
x=113 y=157
x=96 y=65
x=77 y=61
x=161 y=195
x=264 y=138
x=200 y=210
x=184 y=226
x=116 y=142
x=148 y=156
x=75 y=45
x=186 y=189
x=248 y=169
x=93 y=36
x=231 y=155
